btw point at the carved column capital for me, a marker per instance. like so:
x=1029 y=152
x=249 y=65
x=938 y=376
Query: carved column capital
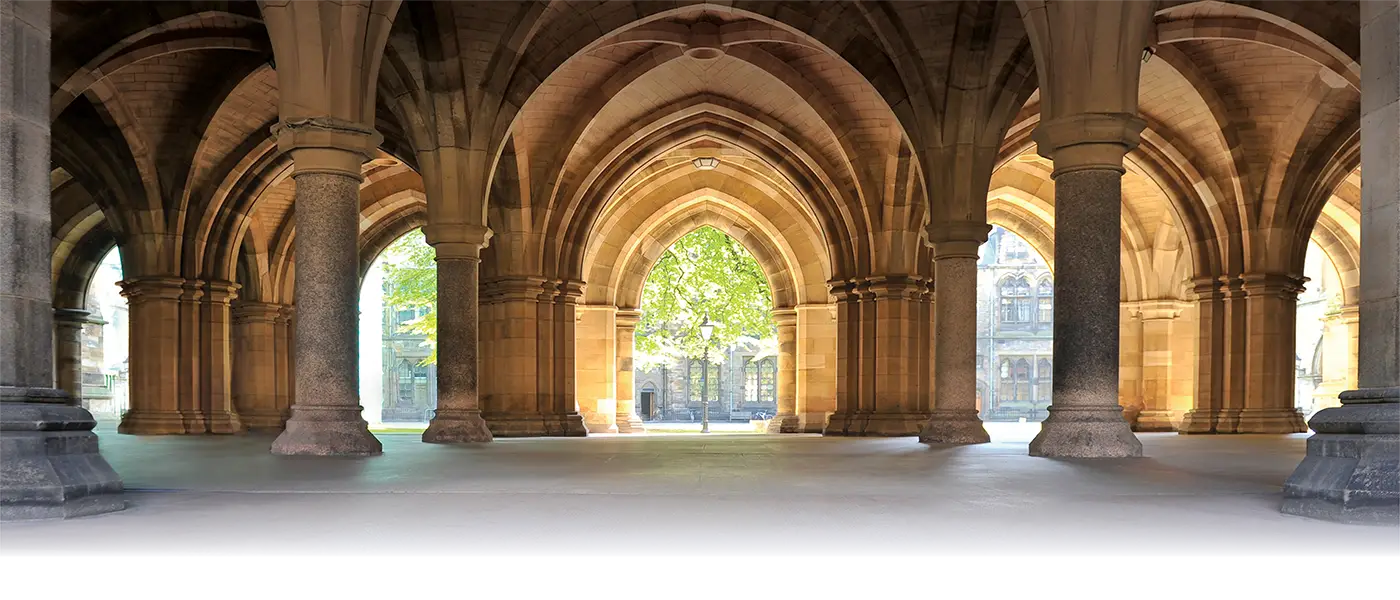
x=76 y=316
x=1279 y=285
x=1156 y=310
x=1088 y=141
x=457 y=240
x=326 y=145
x=957 y=239
x=222 y=292
x=257 y=312
x=627 y=319
x=152 y=288
x=506 y=289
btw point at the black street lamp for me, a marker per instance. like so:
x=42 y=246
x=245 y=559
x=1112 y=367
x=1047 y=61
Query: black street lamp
x=706 y=330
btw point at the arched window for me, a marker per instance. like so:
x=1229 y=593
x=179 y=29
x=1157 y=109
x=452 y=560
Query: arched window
x=760 y=380
x=750 y=380
x=1043 y=372
x=1045 y=301
x=1015 y=300
x=697 y=377
x=1023 y=380
x=768 y=380
x=1006 y=383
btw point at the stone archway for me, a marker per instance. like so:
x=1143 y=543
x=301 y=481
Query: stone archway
x=620 y=256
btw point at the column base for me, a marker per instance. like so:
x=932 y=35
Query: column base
x=630 y=424
x=599 y=426
x=51 y=465
x=954 y=427
x=1131 y=414
x=1351 y=473
x=152 y=422
x=1075 y=432
x=457 y=427
x=512 y=424
x=812 y=422
x=1247 y=420
x=1209 y=421
x=1271 y=420
x=326 y=431
x=264 y=421
x=225 y=423
x=1154 y=420
x=194 y=421
x=875 y=424
x=785 y=424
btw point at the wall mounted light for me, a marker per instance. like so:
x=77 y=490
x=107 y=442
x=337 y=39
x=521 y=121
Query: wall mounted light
x=705 y=163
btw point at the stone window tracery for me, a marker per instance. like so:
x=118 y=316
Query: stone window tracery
x=1016 y=300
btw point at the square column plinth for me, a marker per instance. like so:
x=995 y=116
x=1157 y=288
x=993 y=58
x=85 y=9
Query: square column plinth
x=51 y=467
x=1352 y=470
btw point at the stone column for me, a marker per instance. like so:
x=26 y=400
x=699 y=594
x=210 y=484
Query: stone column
x=50 y=460
x=189 y=357
x=1088 y=58
x=458 y=415
x=511 y=383
x=68 y=351
x=595 y=367
x=879 y=391
x=1220 y=357
x=1158 y=319
x=255 y=374
x=1352 y=470
x=848 y=352
x=1271 y=307
x=627 y=419
x=326 y=154
x=786 y=421
x=153 y=304
x=564 y=418
x=216 y=336
x=1085 y=419
x=816 y=365
x=954 y=419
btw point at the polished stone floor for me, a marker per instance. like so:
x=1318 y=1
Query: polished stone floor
x=688 y=494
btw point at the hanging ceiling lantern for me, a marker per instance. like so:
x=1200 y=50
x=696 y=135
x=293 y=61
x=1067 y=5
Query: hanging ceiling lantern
x=706 y=163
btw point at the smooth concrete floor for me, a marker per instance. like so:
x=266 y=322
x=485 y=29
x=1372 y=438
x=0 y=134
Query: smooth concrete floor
x=789 y=495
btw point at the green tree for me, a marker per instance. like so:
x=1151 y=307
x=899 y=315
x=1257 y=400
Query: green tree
x=705 y=273
x=410 y=281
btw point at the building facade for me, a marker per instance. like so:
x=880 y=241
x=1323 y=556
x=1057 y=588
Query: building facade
x=743 y=386
x=1015 y=312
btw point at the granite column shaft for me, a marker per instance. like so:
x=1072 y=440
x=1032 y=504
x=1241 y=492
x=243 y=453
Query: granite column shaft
x=954 y=418
x=458 y=415
x=326 y=420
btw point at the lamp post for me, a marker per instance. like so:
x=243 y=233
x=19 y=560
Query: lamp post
x=706 y=330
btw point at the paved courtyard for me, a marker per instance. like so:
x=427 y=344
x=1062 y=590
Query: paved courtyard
x=688 y=494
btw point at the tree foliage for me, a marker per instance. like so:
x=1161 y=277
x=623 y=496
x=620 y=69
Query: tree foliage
x=705 y=273
x=410 y=278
